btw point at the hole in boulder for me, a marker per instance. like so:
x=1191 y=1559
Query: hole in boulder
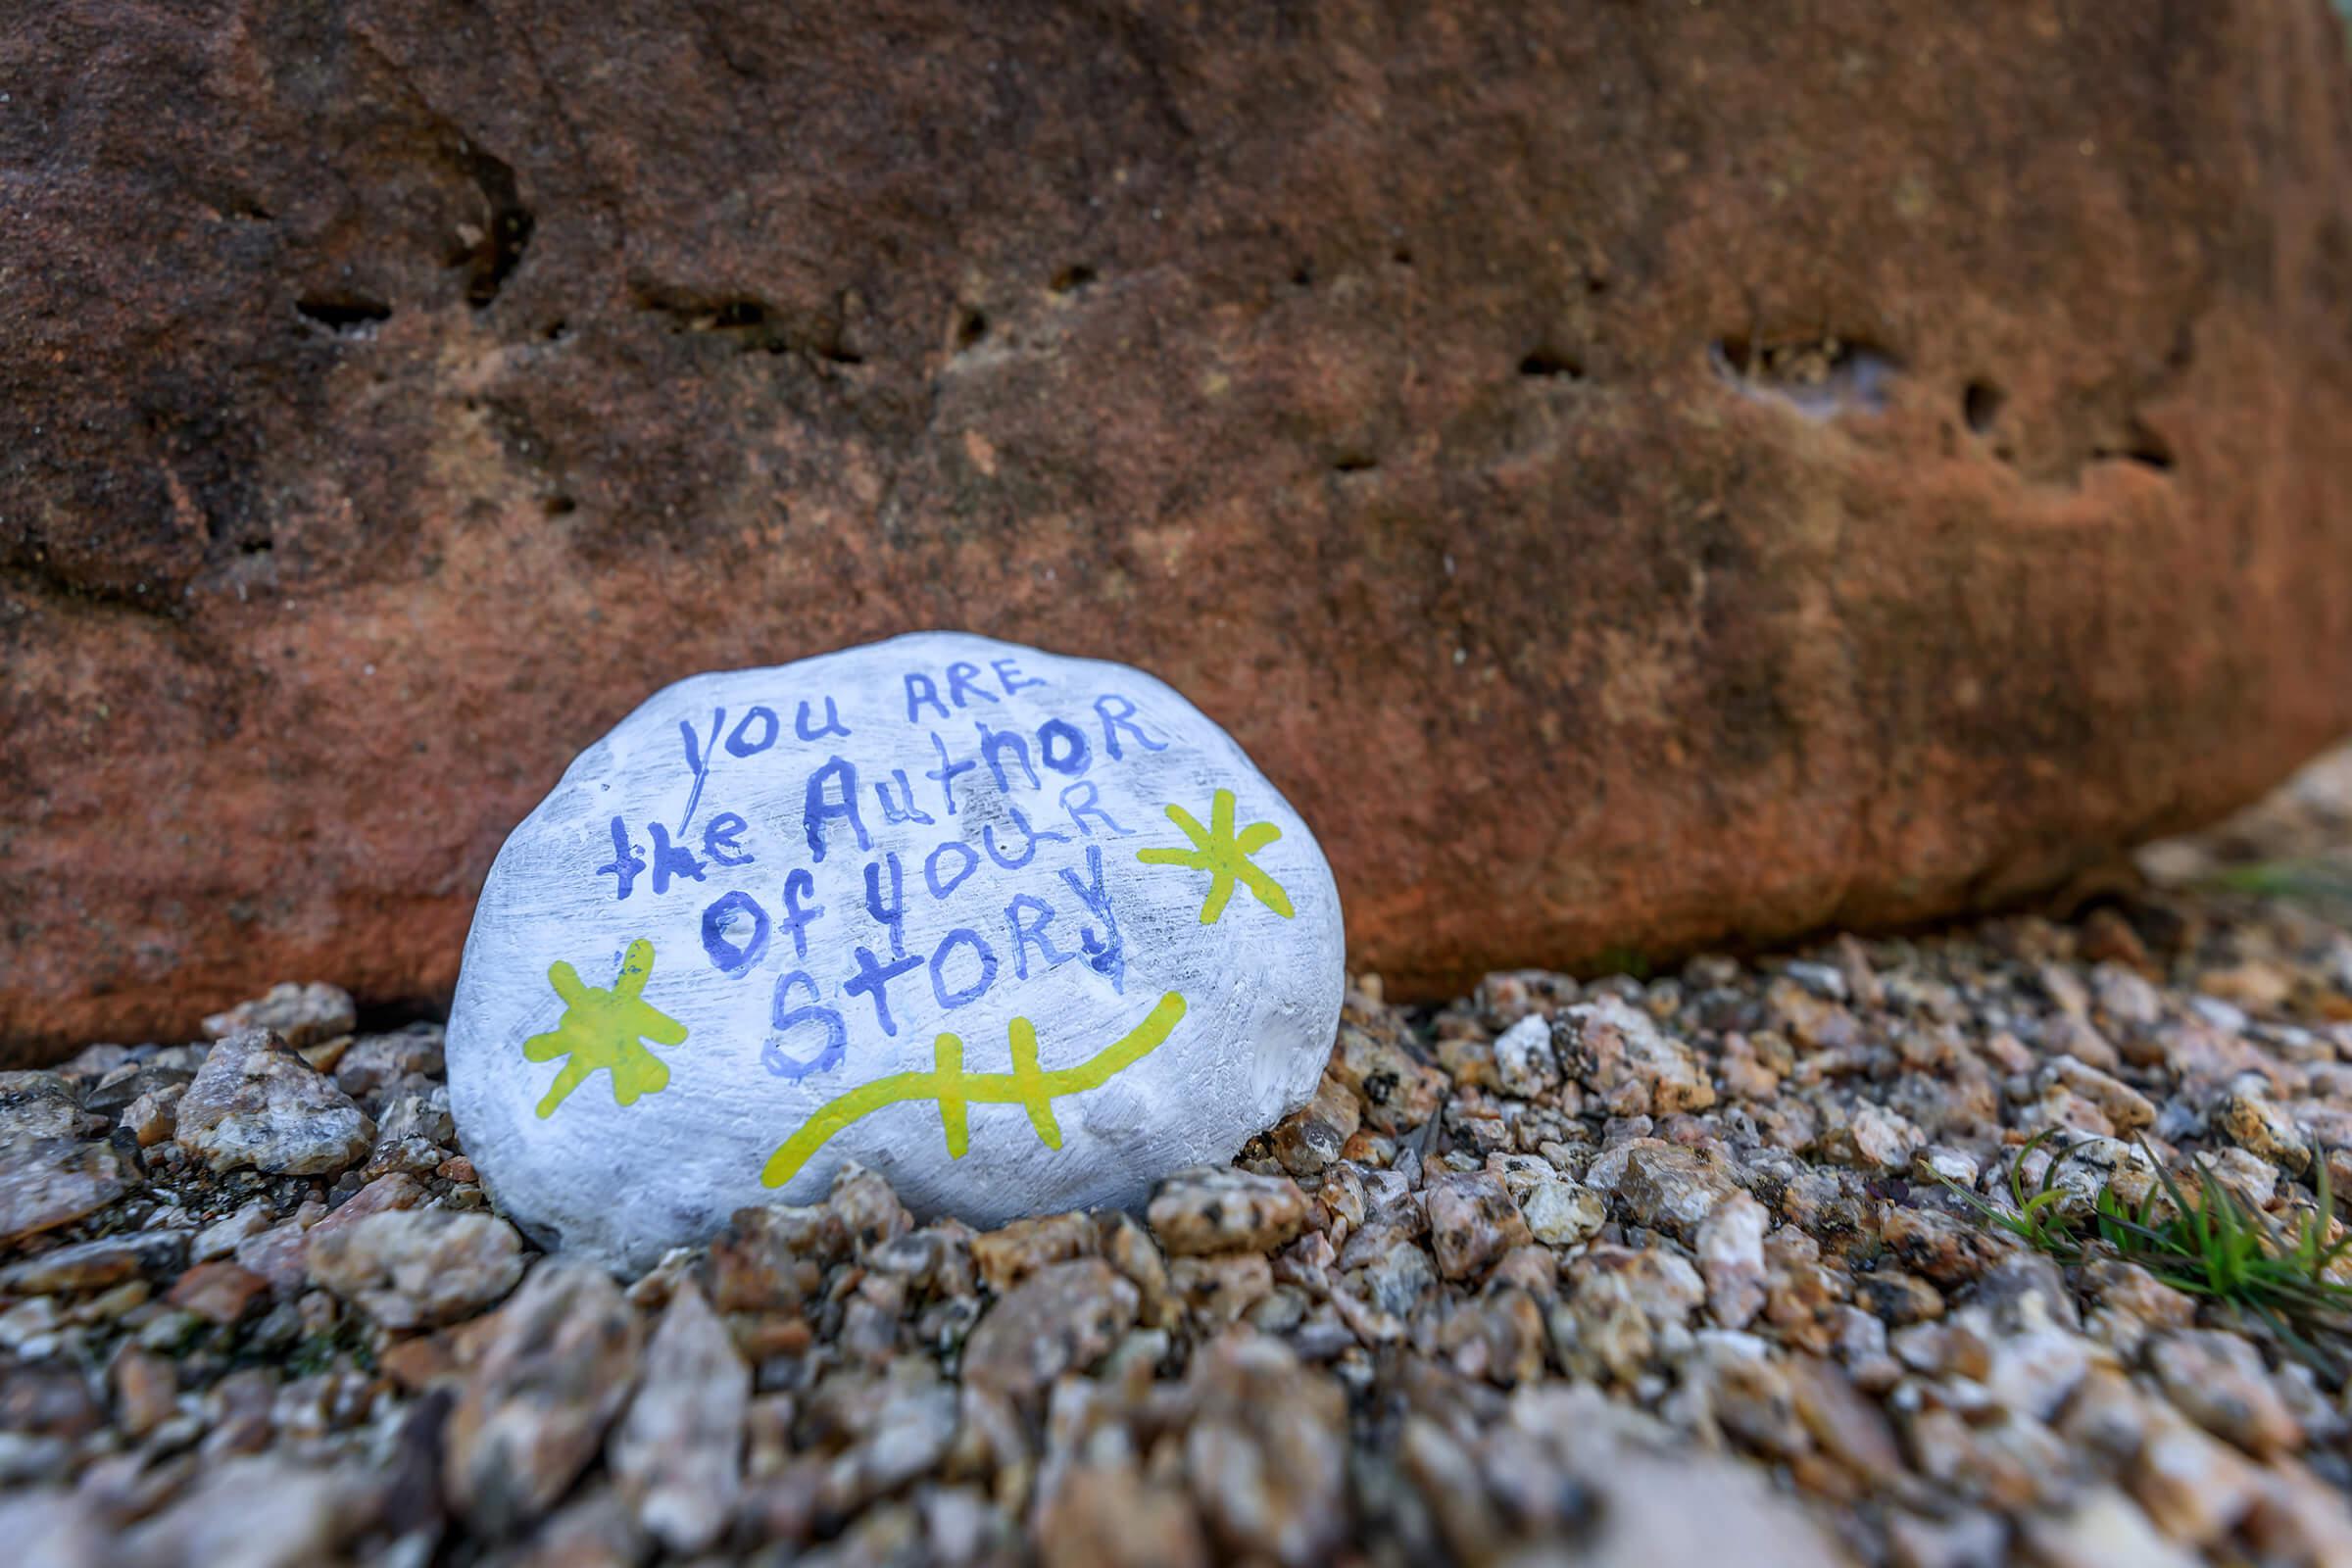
x=2184 y=350
x=1819 y=378
x=353 y=315
x=970 y=328
x=1553 y=365
x=1354 y=462
x=1981 y=405
x=2145 y=447
x=1070 y=279
x=491 y=254
x=559 y=506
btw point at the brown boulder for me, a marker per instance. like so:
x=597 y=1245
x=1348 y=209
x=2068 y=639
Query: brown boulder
x=1636 y=476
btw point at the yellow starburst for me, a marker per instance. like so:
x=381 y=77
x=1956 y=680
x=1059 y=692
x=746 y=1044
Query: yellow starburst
x=1225 y=856
x=602 y=1029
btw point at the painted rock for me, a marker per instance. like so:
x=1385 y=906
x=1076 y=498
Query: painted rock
x=1024 y=933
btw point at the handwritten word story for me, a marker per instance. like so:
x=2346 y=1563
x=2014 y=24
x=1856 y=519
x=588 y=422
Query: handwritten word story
x=1024 y=933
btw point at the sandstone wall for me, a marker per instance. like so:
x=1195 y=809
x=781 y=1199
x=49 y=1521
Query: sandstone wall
x=1637 y=475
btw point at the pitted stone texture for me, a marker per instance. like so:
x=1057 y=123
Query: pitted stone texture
x=256 y=1102
x=48 y=1182
x=414 y=1268
x=1223 y=1210
x=678 y=1453
x=558 y=1362
x=695 y=967
x=1549 y=438
x=301 y=1015
x=1062 y=1318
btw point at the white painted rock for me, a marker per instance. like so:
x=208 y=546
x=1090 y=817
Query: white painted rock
x=1023 y=933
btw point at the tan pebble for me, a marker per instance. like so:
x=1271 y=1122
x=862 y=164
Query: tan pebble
x=1010 y=1254
x=218 y=1292
x=146 y=1388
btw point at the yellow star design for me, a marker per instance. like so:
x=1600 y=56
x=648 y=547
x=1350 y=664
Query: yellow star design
x=602 y=1029
x=1225 y=856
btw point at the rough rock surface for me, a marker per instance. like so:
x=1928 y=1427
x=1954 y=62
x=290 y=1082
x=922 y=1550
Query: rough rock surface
x=256 y=1102
x=1226 y=1210
x=678 y=1451
x=1540 y=434
x=411 y=1269
x=560 y=1362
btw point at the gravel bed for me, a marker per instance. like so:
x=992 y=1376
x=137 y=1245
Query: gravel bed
x=1639 y=1269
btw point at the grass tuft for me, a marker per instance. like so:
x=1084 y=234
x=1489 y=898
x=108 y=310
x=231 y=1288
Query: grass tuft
x=2215 y=1245
x=2324 y=885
